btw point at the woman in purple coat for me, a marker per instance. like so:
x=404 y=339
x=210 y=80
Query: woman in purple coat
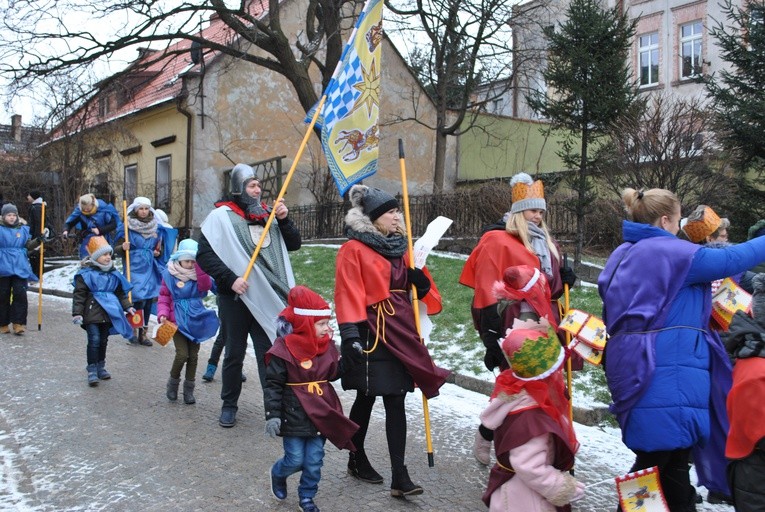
x=660 y=359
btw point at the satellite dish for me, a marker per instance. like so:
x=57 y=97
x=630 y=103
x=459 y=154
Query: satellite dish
x=196 y=52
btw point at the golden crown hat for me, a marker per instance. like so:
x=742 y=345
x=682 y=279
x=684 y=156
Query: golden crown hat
x=96 y=243
x=698 y=229
x=525 y=191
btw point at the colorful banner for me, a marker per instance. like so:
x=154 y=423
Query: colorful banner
x=349 y=119
x=641 y=491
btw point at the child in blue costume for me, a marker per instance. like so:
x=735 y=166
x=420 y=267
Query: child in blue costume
x=99 y=304
x=92 y=217
x=169 y=236
x=15 y=270
x=145 y=243
x=184 y=285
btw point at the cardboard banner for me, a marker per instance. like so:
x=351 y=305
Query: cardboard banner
x=728 y=299
x=641 y=491
x=588 y=335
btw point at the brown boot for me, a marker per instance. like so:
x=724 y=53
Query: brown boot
x=142 y=339
x=4 y=329
x=19 y=329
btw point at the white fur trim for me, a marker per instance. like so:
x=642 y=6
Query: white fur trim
x=532 y=281
x=312 y=312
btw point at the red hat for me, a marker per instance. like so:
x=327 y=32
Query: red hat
x=304 y=308
x=524 y=282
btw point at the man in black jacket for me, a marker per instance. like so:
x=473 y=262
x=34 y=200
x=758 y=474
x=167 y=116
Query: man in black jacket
x=34 y=219
x=230 y=234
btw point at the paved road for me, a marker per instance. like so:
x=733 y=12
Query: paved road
x=123 y=447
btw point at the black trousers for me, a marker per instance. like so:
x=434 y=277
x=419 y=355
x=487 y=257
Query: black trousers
x=13 y=311
x=395 y=424
x=238 y=323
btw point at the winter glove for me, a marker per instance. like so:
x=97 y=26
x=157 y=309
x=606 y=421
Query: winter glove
x=273 y=427
x=568 y=276
x=579 y=493
x=420 y=281
x=353 y=352
x=131 y=311
x=493 y=358
x=758 y=298
x=77 y=319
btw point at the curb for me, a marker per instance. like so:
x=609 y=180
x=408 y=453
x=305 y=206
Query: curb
x=589 y=417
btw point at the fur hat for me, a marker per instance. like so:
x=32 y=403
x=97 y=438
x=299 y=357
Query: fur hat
x=533 y=354
x=372 y=201
x=9 y=208
x=187 y=250
x=97 y=247
x=701 y=223
x=527 y=194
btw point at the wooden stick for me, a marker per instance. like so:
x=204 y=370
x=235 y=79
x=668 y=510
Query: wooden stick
x=40 y=270
x=127 y=253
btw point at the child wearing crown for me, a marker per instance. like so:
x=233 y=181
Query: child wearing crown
x=99 y=304
x=301 y=404
x=534 y=439
x=184 y=285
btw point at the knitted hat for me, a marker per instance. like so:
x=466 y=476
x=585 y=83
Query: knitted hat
x=187 y=250
x=97 y=247
x=533 y=354
x=527 y=194
x=34 y=194
x=701 y=223
x=373 y=201
x=9 y=208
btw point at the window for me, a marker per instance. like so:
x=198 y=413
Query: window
x=131 y=181
x=690 y=49
x=163 y=178
x=497 y=105
x=648 y=58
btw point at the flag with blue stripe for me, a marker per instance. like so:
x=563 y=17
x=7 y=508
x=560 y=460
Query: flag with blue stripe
x=350 y=117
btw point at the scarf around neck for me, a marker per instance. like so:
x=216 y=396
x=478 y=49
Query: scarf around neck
x=180 y=273
x=146 y=228
x=539 y=245
x=389 y=246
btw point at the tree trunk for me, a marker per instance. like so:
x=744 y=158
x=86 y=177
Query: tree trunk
x=581 y=206
x=440 y=163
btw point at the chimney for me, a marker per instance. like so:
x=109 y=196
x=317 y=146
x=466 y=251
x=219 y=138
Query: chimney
x=16 y=127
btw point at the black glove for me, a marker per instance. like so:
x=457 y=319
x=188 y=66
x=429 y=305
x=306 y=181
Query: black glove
x=352 y=352
x=568 y=276
x=420 y=281
x=493 y=358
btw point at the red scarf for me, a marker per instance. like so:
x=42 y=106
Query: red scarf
x=247 y=216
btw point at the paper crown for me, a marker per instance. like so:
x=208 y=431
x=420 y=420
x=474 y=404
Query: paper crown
x=701 y=223
x=527 y=194
x=97 y=247
x=533 y=354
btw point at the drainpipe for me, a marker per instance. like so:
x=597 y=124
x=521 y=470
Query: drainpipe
x=187 y=193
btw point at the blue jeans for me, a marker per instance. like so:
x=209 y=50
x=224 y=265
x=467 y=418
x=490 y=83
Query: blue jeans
x=306 y=454
x=98 y=337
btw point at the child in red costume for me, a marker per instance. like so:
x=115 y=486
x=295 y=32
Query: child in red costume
x=301 y=404
x=745 y=446
x=533 y=436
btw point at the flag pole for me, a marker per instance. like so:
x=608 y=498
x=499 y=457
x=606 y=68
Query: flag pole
x=40 y=270
x=127 y=253
x=415 y=301
x=284 y=187
x=566 y=298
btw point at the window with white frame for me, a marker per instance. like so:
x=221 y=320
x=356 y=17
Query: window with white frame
x=497 y=105
x=163 y=183
x=690 y=49
x=131 y=181
x=648 y=59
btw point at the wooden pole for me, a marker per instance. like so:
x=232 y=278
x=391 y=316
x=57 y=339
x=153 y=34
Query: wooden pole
x=415 y=301
x=127 y=253
x=284 y=188
x=40 y=270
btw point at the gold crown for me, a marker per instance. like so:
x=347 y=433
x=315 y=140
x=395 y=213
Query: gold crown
x=525 y=191
x=698 y=229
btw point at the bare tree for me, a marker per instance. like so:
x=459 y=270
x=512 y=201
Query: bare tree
x=44 y=37
x=460 y=44
x=666 y=143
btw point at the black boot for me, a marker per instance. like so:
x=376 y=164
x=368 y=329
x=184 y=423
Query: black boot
x=188 y=392
x=402 y=485
x=142 y=339
x=359 y=467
